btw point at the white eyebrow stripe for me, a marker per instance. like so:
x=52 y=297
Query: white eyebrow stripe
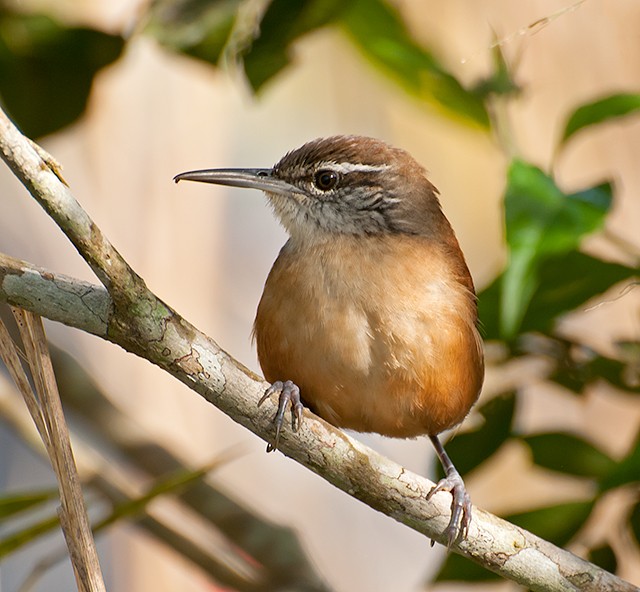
x=353 y=167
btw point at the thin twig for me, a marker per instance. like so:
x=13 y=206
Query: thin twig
x=73 y=513
x=46 y=410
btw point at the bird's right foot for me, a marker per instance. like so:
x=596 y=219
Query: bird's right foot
x=288 y=395
x=458 y=527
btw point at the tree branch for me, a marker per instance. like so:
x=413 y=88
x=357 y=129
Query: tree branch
x=128 y=314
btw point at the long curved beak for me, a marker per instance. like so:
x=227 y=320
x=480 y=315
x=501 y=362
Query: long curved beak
x=252 y=178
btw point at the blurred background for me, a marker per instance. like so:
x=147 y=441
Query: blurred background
x=125 y=94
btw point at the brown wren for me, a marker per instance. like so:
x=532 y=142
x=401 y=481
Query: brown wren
x=369 y=314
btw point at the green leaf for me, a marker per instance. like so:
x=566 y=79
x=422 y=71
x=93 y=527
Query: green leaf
x=569 y=454
x=199 y=28
x=626 y=471
x=212 y=29
x=600 y=111
x=577 y=374
x=564 y=282
x=542 y=222
x=16 y=503
x=377 y=29
x=470 y=449
x=567 y=281
x=489 y=309
x=47 y=70
x=14 y=541
x=557 y=524
x=604 y=557
x=173 y=484
x=284 y=22
x=457 y=568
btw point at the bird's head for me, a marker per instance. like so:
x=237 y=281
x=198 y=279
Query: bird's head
x=342 y=185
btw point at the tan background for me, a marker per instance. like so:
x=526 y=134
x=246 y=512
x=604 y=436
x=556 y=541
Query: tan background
x=207 y=250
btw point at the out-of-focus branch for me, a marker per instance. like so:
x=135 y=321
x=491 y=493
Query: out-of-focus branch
x=144 y=325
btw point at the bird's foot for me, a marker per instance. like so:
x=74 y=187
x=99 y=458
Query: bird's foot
x=288 y=395
x=458 y=527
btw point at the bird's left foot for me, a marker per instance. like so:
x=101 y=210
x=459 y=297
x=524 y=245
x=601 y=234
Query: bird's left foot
x=458 y=527
x=288 y=395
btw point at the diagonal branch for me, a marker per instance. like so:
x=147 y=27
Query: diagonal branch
x=131 y=316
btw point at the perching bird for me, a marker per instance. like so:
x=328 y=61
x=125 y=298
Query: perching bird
x=368 y=316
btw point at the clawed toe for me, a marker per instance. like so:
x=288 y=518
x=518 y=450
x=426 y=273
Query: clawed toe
x=458 y=527
x=288 y=395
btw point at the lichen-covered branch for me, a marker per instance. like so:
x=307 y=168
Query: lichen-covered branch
x=128 y=314
x=57 y=297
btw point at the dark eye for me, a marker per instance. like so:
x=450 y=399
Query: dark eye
x=325 y=180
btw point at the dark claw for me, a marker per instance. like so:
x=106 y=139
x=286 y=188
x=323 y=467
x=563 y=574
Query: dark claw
x=458 y=527
x=288 y=395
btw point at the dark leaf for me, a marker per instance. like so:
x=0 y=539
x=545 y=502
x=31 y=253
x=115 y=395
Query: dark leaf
x=199 y=28
x=569 y=454
x=377 y=29
x=568 y=281
x=284 y=22
x=564 y=282
x=600 y=111
x=489 y=309
x=469 y=449
x=577 y=374
x=46 y=70
x=604 y=557
x=626 y=471
x=557 y=524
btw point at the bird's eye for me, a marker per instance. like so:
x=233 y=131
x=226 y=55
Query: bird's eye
x=325 y=180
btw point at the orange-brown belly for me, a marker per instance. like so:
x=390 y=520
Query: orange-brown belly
x=384 y=342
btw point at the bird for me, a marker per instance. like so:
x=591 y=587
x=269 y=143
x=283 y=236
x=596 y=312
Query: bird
x=368 y=316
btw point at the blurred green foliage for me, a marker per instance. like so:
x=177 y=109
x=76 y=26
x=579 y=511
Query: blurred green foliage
x=558 y=523
x=46 y=72
x=601 y=110
x=46 y=69
x=605 y=557
x=473 y=447
x=379 y=32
